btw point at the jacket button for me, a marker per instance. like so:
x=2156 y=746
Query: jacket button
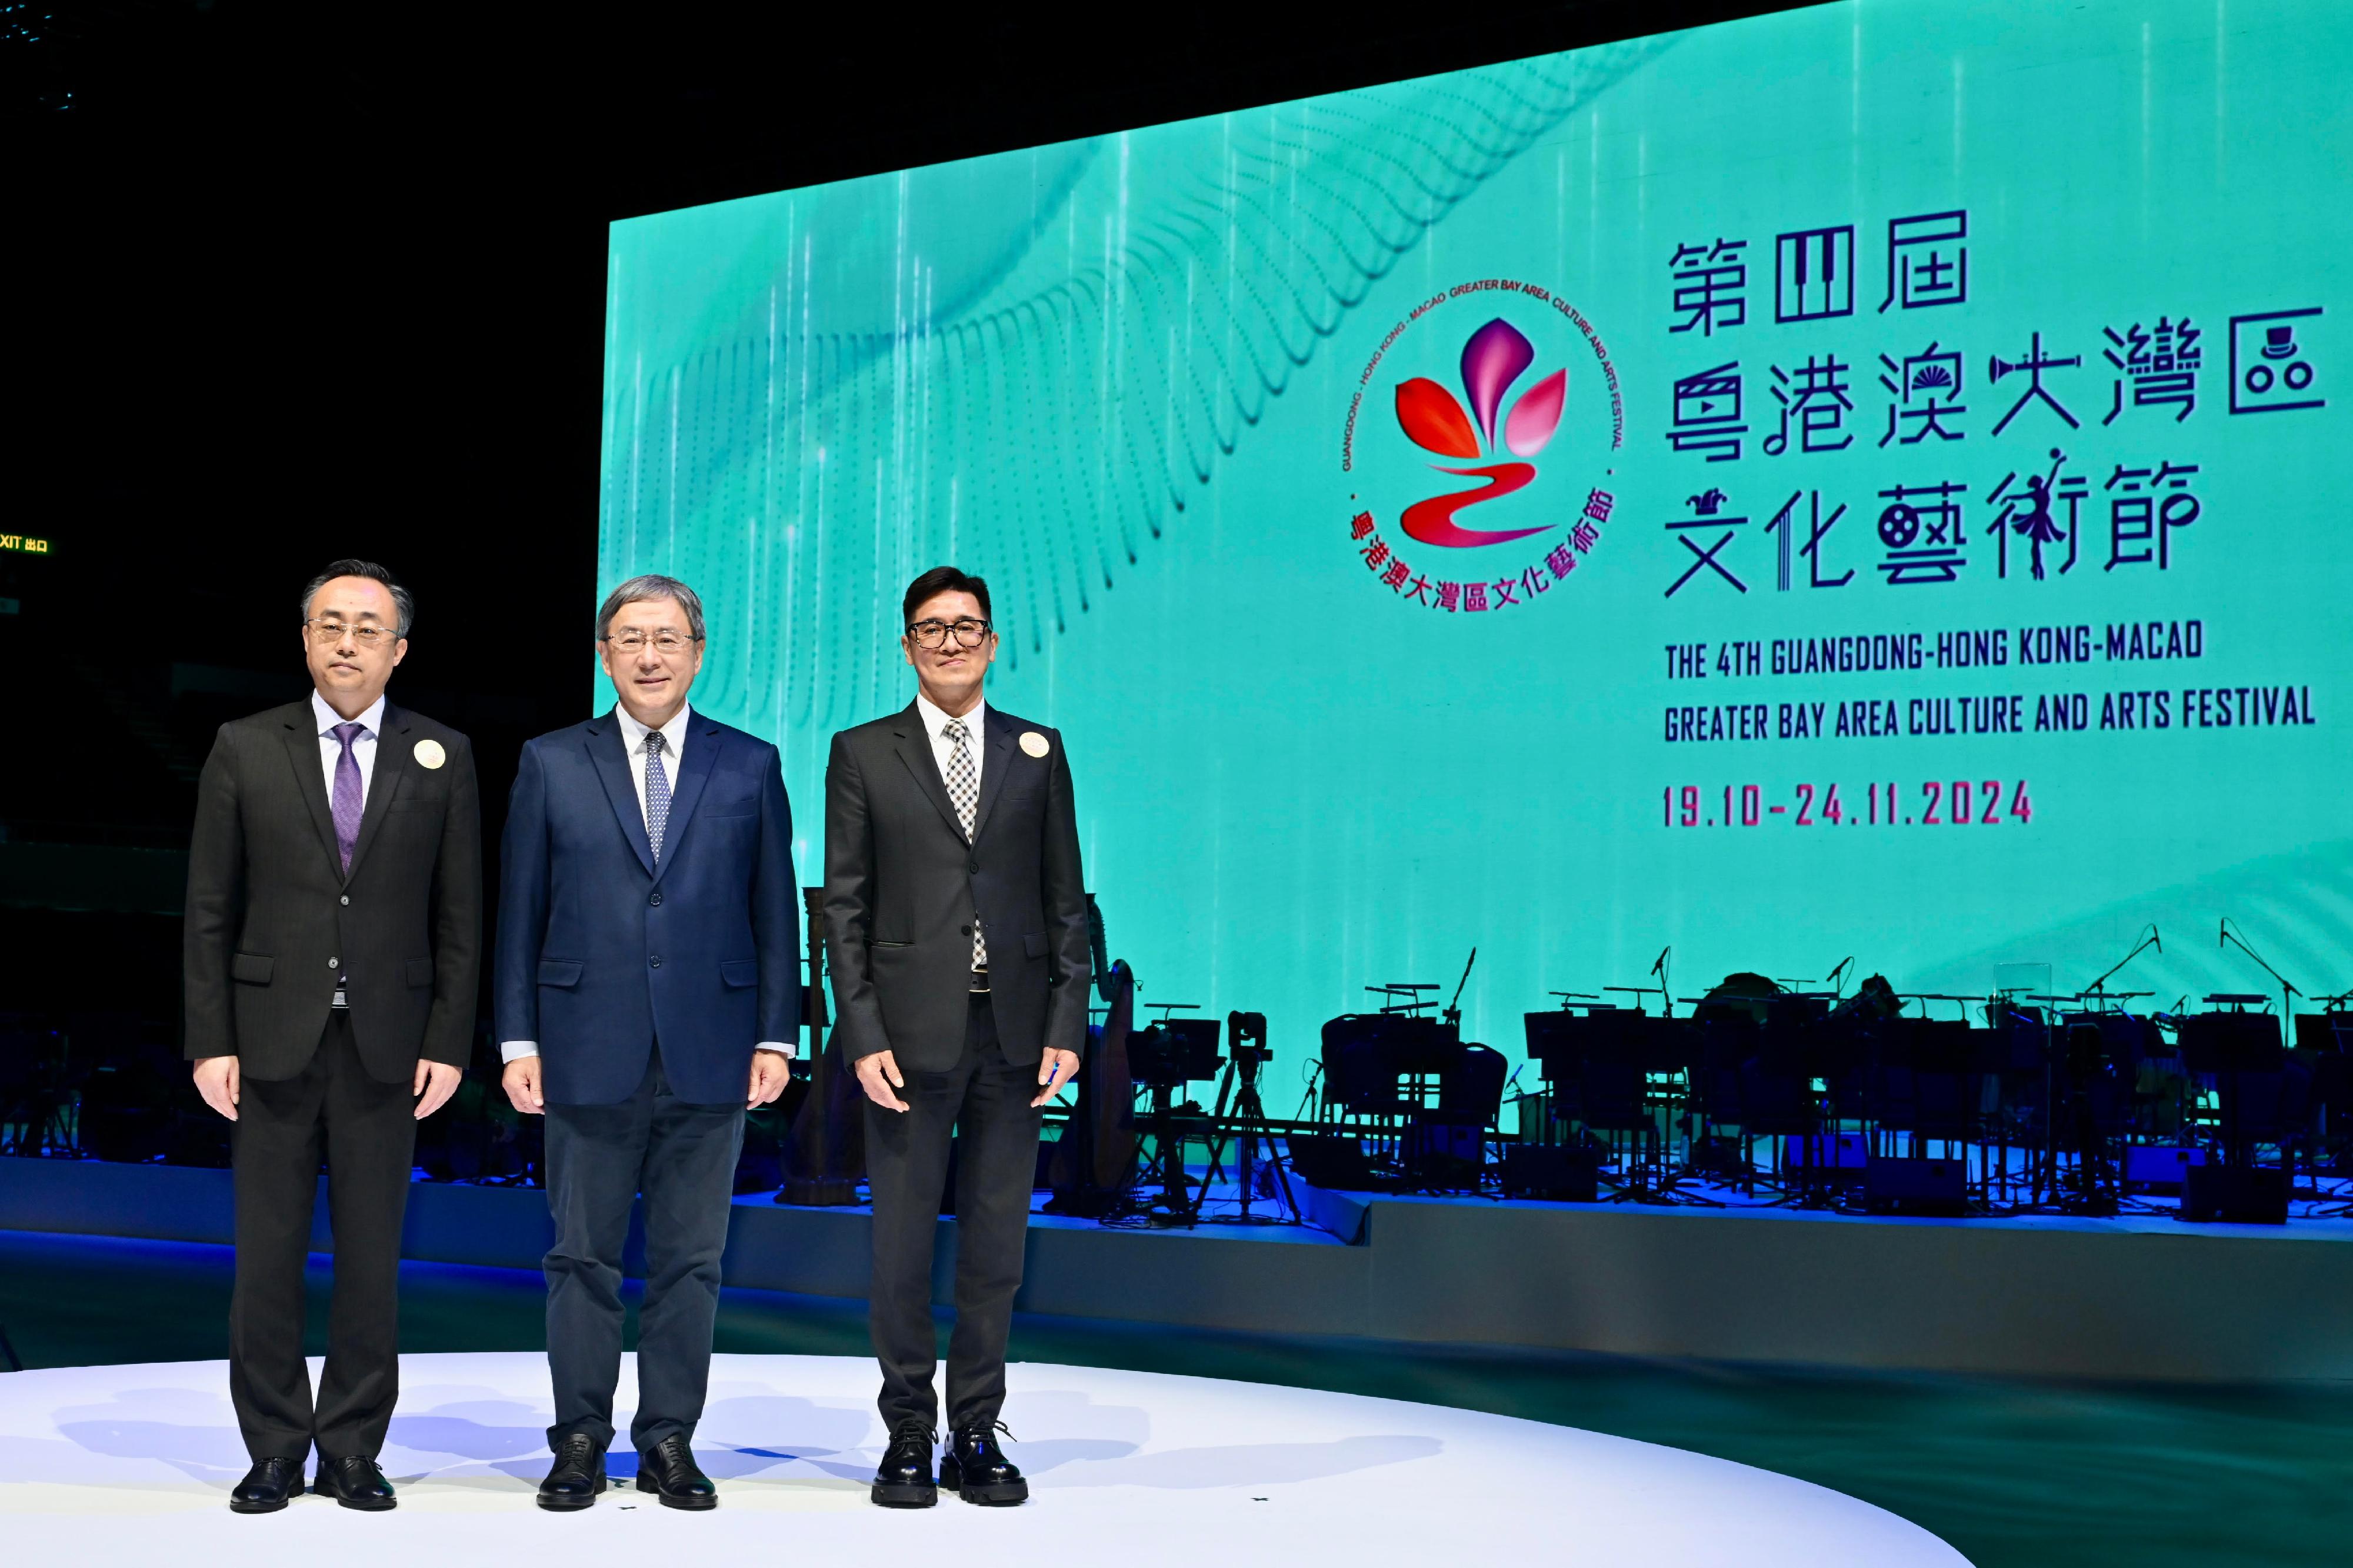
x=655 y=900
x=334 y=963
x=964 y=930
x=345 y=900
x=655 y=960
x=973 y=867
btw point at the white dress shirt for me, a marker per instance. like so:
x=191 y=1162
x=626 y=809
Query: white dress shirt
x=935 y=725
x=331 y=751
x=633 y=744
x=936 y=720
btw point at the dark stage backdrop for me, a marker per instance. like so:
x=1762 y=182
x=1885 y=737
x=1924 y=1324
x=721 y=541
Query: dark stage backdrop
x=287 y=281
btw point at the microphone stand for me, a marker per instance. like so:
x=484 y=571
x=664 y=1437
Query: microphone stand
x=1453 y=1013
x=2223 y=938
x=2287 y=1007
x=2097 y=989
x=1833 y=980
x=2090 y=1154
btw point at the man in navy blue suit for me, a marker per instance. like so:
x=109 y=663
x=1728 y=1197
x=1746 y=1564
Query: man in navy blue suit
x=648 y=992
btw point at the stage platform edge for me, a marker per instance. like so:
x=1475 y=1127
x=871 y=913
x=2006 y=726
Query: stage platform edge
x=132 y=1464
x=2129 y=1299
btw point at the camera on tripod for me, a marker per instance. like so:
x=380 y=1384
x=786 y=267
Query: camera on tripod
x=1246 y=1043
x=1175 y=1051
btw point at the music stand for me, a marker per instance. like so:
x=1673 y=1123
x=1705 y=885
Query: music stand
x=2327 y=1038
x=2226 y=1045
x=2018 y=1012
x=1606 y=1054
x=1384 y=1066
x=1405 y=997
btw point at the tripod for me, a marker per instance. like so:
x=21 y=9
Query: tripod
x=1180 y=1203
x=1246 y=1053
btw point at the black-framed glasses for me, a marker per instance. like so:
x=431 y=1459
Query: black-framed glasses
x=664 y=641
x=327 y=632
x=969 y=633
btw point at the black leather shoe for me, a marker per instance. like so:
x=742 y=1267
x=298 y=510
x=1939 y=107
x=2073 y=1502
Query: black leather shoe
x=904 y=1478
x=355 y=1482
x=577 y=1477
x=667 y=1469
x=266 y=1487
x=979 y=1468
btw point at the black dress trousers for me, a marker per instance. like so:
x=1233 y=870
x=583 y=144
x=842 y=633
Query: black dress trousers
x=984 y=1103
x=365 y=1130
x=681 y=1156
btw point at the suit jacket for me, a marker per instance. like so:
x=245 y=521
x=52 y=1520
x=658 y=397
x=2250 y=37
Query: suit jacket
x=272 y=918
x=605 y=957
x=902 y=887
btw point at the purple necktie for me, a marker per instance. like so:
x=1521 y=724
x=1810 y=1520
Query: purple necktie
x=347 y=792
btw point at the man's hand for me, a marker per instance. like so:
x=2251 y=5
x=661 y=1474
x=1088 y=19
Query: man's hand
x=521 y=1080
x=435 y=1082
x=216 y=1080
x=771 y=1070
x=1054 y=1069
x=877 y=1075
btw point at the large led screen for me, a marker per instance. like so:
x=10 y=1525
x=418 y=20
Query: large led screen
x=1862 y=481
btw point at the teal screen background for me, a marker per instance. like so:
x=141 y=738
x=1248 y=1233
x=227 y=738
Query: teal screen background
x=1116 y=377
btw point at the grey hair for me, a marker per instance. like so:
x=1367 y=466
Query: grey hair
x=651 y=585
x=403 y=603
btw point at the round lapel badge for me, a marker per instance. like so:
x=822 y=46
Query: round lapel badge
x=429 y=754
x=1033 y=743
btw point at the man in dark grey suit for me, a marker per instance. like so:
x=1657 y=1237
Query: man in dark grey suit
x=955 y=917
x=332 y=936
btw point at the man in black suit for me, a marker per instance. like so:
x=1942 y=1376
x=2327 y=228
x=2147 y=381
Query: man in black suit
x=955 y=915
x=332 y=935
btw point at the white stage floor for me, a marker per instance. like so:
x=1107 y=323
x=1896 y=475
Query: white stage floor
x=132 y=1464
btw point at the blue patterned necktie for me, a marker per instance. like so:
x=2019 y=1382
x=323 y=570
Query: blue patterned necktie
x=348 y=798
x=963 y=791
x=657 y=794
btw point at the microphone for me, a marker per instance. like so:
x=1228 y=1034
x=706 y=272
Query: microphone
x=1660 y=962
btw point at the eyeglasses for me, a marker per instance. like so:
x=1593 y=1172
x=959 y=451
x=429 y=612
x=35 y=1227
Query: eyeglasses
x=663 y=641
x=969 y=633
x=326 y=634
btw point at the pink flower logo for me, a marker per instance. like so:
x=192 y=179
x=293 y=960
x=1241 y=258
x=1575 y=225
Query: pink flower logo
x=1492 y=361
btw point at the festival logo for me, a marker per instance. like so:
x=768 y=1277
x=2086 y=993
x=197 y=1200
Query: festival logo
x=1492 y=360
x=1492 y=433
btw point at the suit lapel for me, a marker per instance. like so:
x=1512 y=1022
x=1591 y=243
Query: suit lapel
x=310 y=780
x=915 y=750
x=392 y=755
x=993 y=771
x=605 y=749
x=686 y=791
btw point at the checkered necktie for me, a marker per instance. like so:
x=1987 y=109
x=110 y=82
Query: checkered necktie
x=963 y=790
x=657 y=794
